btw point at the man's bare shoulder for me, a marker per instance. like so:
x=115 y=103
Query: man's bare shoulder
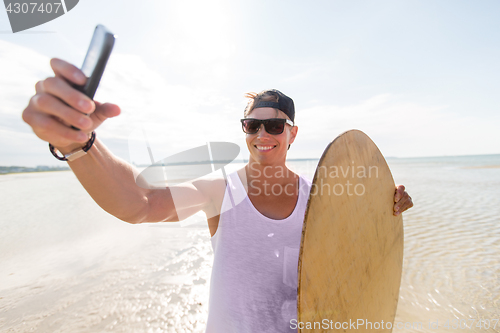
x=212 y=188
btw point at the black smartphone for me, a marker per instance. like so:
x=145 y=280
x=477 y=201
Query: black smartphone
x=95 y=61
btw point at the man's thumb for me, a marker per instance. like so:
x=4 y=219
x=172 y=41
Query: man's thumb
x=106 y=110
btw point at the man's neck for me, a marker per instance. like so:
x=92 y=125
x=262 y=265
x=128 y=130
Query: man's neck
x=273 y=174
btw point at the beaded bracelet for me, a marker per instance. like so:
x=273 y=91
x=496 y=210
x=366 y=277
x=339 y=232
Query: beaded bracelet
x=74 y=154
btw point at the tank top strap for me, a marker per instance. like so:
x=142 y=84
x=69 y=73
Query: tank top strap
x=235 y=192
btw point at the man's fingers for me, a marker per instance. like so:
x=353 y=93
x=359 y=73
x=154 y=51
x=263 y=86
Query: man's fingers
x=59 y=88
x=401 y=202
x=67 y=71
x=408 y=204
x=54 y=107
x=39 y=87
x=400 y=190
x=51 y=130
x=402 y=205
x=58 y=106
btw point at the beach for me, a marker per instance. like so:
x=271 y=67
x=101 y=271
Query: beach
x=68 y=266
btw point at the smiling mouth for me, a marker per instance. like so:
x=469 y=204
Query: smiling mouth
x=264 y=148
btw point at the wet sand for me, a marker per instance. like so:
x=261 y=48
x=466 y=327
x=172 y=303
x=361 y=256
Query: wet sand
x=94 y=273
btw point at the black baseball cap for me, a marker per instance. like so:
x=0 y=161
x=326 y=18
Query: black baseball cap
x=284 y=103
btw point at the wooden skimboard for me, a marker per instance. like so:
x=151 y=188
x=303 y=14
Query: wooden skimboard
x=351 y=253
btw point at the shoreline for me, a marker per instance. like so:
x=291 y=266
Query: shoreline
x=393 y=158
x=34 y=171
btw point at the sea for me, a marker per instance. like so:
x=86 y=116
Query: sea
x=68 y=266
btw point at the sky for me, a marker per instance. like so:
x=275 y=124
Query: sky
x=421 y=78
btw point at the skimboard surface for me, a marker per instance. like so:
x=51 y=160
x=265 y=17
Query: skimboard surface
x=351 y=253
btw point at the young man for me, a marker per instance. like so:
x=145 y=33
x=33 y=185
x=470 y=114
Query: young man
x=255 y=216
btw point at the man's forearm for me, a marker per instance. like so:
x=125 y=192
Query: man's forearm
x=110 y=181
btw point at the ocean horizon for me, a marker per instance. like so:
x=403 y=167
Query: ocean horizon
x=288 y=159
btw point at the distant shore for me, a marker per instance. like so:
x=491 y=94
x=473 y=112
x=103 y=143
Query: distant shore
x=5 y=170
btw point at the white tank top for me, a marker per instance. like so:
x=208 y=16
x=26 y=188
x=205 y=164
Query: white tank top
x=253 y=286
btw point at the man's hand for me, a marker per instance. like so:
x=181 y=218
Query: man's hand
x=57 y=105
x=402 y=201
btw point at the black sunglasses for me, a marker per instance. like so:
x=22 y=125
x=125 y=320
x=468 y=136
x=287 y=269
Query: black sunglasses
x=273 y=126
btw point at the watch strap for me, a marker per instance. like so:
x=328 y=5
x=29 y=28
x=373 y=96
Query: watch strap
x=74 y=154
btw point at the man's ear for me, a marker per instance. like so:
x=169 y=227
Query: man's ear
x=293 y=133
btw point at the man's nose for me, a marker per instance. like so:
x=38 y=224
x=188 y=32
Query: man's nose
x=262 y=131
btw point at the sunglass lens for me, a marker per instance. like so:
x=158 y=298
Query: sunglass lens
x=275 y=127
x=251 y=126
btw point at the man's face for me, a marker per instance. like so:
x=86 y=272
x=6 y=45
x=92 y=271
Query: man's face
x=265 y=148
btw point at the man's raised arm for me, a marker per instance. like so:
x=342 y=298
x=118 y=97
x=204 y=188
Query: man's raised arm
x=111 y=181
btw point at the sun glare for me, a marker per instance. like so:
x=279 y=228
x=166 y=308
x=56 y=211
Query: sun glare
x=200 y=28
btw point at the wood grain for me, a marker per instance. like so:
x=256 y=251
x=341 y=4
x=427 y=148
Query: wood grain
x=352 y=246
